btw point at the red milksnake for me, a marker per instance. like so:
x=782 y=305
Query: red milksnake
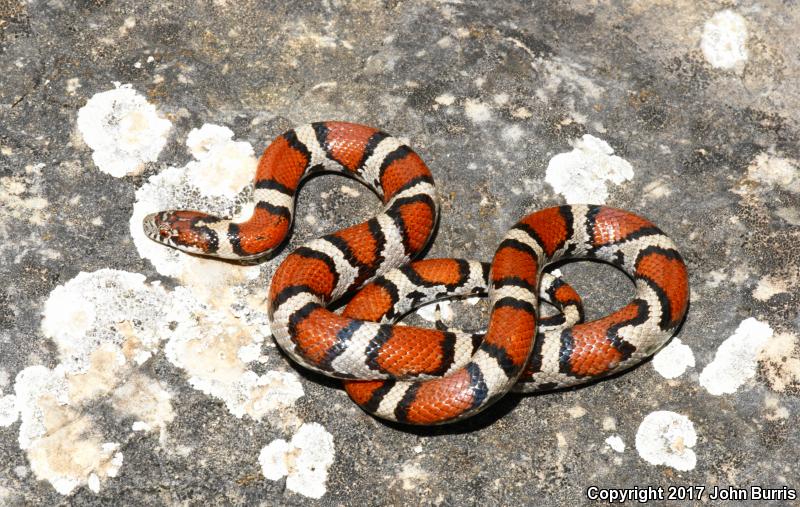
x=427 y=376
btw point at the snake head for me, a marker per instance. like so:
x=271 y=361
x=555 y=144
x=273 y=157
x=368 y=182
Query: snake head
x=189 y=231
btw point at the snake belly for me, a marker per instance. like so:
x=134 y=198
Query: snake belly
x=428 y=376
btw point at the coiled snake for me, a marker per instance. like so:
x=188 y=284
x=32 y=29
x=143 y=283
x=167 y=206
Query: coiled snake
x=429 y=376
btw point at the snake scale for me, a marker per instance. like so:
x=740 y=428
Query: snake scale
x=430 y=376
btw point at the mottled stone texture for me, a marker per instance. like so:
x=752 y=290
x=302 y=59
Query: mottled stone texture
x=488 y=93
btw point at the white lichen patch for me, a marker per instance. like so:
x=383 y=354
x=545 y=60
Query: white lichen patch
x=301 y=38
x=576 y=411
x=275 y=390
x=780 y=362
x=63 y=444
x=714 y=278
x=500 y=99
x=581 y=175
x=325 y=85
x=349 y=191
x=724 y=40
x=108 y=312
x=223 y=166
x=769 y=286
x=477 y=111
x=214 y=350
x=104 y=324
x=107 y=323
x=522 y=113
x=412 y=475
x=616 y=443
x=773 y=171
x=512 y=133
x=774 y=411
x=657 y=189
x=35 y=388
x=146 y=399
x=445 y=99
x=8 y=410
x=666 y=438
x=140 y=426
x=672 y=360
x=735 y=360
x=72 y=85
x=445 y=42
x=789 y=214
x=562 y=75
x=123 y=130
x=209 y=353
x=19 y=199
x=249 y=353
x=304 y=461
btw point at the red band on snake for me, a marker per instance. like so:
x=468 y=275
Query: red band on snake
x=429 y=376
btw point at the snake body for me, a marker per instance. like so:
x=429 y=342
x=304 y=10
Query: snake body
x=430 y=376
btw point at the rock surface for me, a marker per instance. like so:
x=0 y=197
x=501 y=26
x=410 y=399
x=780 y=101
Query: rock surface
x=131 y=373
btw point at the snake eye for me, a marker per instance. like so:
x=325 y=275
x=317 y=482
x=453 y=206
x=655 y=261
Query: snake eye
x=164 y=230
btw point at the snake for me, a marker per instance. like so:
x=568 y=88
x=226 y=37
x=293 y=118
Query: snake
x=423 y=376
